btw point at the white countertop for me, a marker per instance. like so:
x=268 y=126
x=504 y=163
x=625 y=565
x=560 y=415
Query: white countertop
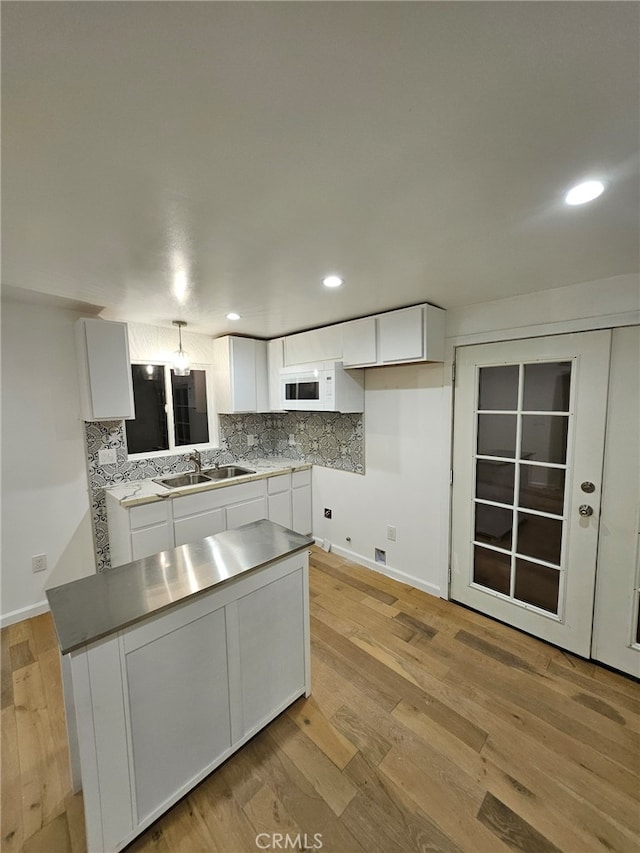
x=137 y=492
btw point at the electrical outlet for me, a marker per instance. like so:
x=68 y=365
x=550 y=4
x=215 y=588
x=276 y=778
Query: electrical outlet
x=251 y=440
x=327 y=513
x=39 y=563
x=391 y=532
x=292 y=439
x=107 y=457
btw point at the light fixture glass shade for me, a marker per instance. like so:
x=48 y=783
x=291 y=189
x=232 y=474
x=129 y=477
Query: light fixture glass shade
x=181 y=361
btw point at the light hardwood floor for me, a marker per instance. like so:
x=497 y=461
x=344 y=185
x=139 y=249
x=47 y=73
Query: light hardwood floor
x=430 y=728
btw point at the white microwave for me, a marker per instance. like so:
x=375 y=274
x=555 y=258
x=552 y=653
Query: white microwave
x=322 y=387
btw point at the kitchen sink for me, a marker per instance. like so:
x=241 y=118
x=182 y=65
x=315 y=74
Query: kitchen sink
x=178 y=480
x=225 y=472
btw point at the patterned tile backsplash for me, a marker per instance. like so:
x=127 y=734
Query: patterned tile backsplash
x=322 y=438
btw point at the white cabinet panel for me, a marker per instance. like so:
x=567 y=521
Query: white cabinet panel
x=151 y=513
x=275 y=360
x=106 y=386
x=244 y=513
x=195 y=527
x=359 y=342
x=317 y=345
x=151 y=540
x=203 y=501
x=179 y=708
x=301 y=509
x=400 y=335
x=272 y=663
x=280 y=508
x=240 y=375
x=279 y=483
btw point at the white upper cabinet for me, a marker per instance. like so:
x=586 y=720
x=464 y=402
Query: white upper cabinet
x=401 y=335
x=240 y=375
x=275 y=360
x=359 y=344
x=317 y=345
x=395 y=337
x=106 y=387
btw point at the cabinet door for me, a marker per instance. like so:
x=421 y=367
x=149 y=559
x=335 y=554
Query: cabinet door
x=359 y=342
x=244 y=513
x=301 y=509
x=151 y=540
x=179 y=707
x=106 y=386
x=401 y=335
x=317 y=345
x=275 y=360
x=272 y=648
x=280 y=508
x=195 y=527
x=243 y=374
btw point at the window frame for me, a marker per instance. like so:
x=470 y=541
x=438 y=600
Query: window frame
x=212 y=419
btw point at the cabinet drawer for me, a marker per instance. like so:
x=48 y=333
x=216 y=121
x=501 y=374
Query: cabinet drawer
x=146 y=514
x=281 y=483
x=301 y=478
x=203 y=501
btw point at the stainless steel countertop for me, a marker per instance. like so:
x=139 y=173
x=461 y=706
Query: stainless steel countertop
x=94 y=607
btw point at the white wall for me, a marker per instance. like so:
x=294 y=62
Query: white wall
x=45 y=504
x=403 y=461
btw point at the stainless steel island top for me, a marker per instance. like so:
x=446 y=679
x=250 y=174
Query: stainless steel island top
x=93 y=607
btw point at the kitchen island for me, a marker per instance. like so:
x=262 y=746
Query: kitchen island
x=174 y=661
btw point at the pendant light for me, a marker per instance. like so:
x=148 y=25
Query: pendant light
x=181 y=363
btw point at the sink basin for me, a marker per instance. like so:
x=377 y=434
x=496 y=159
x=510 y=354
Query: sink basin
x=178 y=480
x=225 y=472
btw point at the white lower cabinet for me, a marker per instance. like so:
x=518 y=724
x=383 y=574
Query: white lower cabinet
x=143 y=530
x=301 y=501
x=180 y=676
x=279 y=499
x=161 y=704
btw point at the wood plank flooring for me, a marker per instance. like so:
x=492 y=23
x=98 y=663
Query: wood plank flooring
x=430 y=728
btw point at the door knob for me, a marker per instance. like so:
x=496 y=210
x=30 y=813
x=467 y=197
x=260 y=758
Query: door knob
x=585 y=510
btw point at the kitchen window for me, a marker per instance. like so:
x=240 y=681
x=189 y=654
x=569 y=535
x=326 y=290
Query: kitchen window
x=171 y=411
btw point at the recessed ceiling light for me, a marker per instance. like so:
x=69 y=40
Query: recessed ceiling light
x=582 y=193
x=233 y=316
x=332 y=281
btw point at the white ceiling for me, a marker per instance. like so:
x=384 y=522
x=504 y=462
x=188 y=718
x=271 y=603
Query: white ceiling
x=421 y=150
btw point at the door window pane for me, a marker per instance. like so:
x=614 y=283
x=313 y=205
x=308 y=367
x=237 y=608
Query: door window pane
x=148 y=432
x=537 y=585
x=494 y=525
x=547 y=386
x=494 y=480
x=542 y=488
x=499 y=387
x=190 y=408
x=492 y=569
x=539 y=537
x=544 y=438
x=497 y=435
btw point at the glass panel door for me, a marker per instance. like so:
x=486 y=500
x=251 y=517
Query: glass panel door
x=528 y=429
x=523 y=419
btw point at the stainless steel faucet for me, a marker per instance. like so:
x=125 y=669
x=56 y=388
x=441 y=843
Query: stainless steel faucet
x=196 y=459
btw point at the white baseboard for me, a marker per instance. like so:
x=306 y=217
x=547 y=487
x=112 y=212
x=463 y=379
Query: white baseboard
x=396 y=574
x=23 y=613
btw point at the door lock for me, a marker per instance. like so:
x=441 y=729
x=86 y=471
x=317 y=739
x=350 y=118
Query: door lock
x=585 y=510
x=587 y=487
